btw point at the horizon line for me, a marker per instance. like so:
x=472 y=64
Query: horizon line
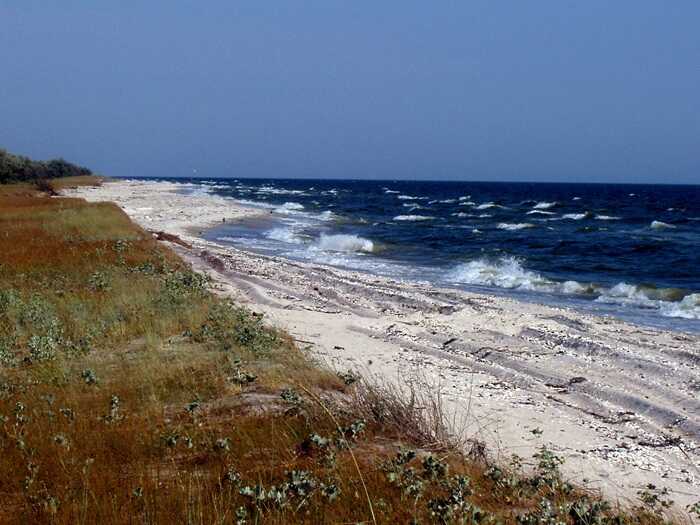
x=412 y=180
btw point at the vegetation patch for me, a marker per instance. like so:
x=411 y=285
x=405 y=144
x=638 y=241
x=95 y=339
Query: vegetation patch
x=130 y=393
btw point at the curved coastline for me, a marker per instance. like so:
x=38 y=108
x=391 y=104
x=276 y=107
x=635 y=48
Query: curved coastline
x=606 y=394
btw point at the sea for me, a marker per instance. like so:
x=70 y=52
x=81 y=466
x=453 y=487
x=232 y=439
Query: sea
x=628 y=251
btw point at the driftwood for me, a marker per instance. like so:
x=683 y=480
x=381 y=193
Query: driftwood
x=163 y=236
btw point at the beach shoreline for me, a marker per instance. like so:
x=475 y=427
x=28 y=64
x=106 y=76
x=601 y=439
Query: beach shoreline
x=618 y=401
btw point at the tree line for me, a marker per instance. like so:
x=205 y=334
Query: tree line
x=17 y=168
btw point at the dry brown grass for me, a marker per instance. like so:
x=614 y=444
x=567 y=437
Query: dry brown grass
x=130 y=394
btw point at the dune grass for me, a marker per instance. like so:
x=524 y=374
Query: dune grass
x=129 y=393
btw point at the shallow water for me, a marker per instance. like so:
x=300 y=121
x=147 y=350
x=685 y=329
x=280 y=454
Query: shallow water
x=628 y=250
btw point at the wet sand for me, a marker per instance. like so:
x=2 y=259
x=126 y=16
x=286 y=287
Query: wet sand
x=620 y=402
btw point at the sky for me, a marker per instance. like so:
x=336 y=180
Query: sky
x=550 y=90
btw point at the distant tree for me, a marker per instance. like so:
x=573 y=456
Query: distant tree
x=17 y=168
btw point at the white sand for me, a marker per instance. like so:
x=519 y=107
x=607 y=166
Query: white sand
x=505 y=367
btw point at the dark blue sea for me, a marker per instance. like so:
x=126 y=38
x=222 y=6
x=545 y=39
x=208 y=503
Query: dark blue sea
x=632 y=251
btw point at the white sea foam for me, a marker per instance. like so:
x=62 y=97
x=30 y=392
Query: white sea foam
x=687 y=308
x=344 y=243
x=284 y=235
x=670 y=302
x=658 y=225
x=289 y=208
x=327 y=215
x=390 y=191
x=484 y=215
x=462 y=214
x=576 y=199
x=407 y=197
x=489 y=205
x=507 y=272
x=544 y=205
x=607 y=218
x=413 y=218
x=271 y=190
x=467 y=203
x=540 y=212
x=516 y=226
x=576 y=216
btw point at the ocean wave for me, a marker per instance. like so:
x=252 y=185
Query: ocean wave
x=344 y=243
x=413 y=218
x=544 y=205
x=466 y=203
x=489 y=205
x=327 y=215
x=606 y=218
x=514 y=227
x=540 y=212
x=271 y=190
x=507 y=272
x=386 y=190
x=256 y=204
x=284 y=235
x=670 y=302
x=577 y=216
x=687 y=308
x=289 y=208
x=462 y=214
x=408 y=198
x=484 y=215
x=658 y=225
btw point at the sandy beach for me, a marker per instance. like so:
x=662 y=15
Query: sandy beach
x=621 y=403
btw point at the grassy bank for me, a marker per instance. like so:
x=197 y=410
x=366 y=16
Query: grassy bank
x=130 y=393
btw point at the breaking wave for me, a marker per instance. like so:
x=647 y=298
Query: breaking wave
x=515 y=227
x=544 y=205
x=507 y=272
x=670 y=302
x=289 y=208
x=577 y=216
x=489 y=205
x=344 y=243
x=284 y=235
x=658 y=225
x=540 y=212
x=413 y=218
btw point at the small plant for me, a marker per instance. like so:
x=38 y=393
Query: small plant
x=222 y=444
x=654 y=498
x=89 y=376
x=434 y=469
x=114 y=414
x=348 y=377
x=98 y=282
x=240 y=376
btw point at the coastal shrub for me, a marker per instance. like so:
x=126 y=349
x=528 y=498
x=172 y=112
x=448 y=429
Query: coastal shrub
x=231 y=327
x=17 y=168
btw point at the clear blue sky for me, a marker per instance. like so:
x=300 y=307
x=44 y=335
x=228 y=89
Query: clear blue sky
x=593 y=90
